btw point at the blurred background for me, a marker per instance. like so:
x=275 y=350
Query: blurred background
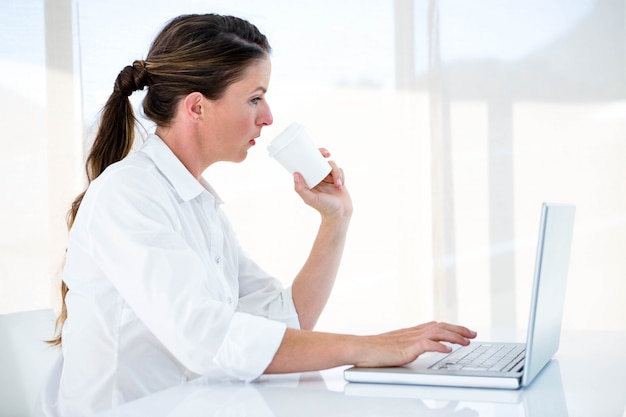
x=453 y=121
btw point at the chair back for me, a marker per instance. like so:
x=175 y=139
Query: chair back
x=25 y=359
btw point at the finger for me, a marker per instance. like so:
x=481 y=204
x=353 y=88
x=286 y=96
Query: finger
x=427 y=345
x=462 y=330
x=300 y=186
x=443 y=334
x=434 y=346
x=336 y=174
x=325 y=153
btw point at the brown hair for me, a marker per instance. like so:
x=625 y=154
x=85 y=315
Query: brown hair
x=192 y=53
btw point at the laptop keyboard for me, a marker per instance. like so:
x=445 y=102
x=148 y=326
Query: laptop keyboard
x=483 y=357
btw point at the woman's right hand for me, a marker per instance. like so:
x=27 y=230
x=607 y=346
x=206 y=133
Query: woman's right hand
x=330 y=197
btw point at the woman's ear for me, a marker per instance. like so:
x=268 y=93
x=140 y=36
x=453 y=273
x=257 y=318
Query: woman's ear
x=193 y=106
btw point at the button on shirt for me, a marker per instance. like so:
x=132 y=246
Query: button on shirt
x=160 y=290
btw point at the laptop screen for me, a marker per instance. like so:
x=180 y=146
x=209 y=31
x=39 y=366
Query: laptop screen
x=552 y=264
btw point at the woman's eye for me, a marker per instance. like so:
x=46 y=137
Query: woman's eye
x=255 y=100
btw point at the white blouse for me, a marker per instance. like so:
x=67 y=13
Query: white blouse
x=160 y=290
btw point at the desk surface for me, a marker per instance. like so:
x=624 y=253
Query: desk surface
x=571 y=385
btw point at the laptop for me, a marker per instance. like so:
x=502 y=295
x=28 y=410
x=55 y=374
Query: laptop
x=496 y=364
x=545 y=397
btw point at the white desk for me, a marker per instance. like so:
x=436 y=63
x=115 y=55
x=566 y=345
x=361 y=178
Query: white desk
x=571 y=385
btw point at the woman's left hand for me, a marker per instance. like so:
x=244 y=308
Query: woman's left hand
x=330 y=197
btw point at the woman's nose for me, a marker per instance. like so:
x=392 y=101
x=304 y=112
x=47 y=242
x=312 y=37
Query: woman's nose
x=266 y=118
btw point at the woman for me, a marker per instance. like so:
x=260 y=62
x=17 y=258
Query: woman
x=156 y=289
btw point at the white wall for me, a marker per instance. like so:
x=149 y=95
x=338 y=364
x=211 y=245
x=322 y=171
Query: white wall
x=452 y=125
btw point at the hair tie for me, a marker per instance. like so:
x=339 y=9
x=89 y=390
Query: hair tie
x=132 y=78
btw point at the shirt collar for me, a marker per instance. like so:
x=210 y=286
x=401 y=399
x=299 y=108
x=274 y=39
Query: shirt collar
x=185 y=185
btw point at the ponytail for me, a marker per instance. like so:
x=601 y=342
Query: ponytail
x=113 y=143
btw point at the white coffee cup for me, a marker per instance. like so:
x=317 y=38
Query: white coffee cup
x=295 y=151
